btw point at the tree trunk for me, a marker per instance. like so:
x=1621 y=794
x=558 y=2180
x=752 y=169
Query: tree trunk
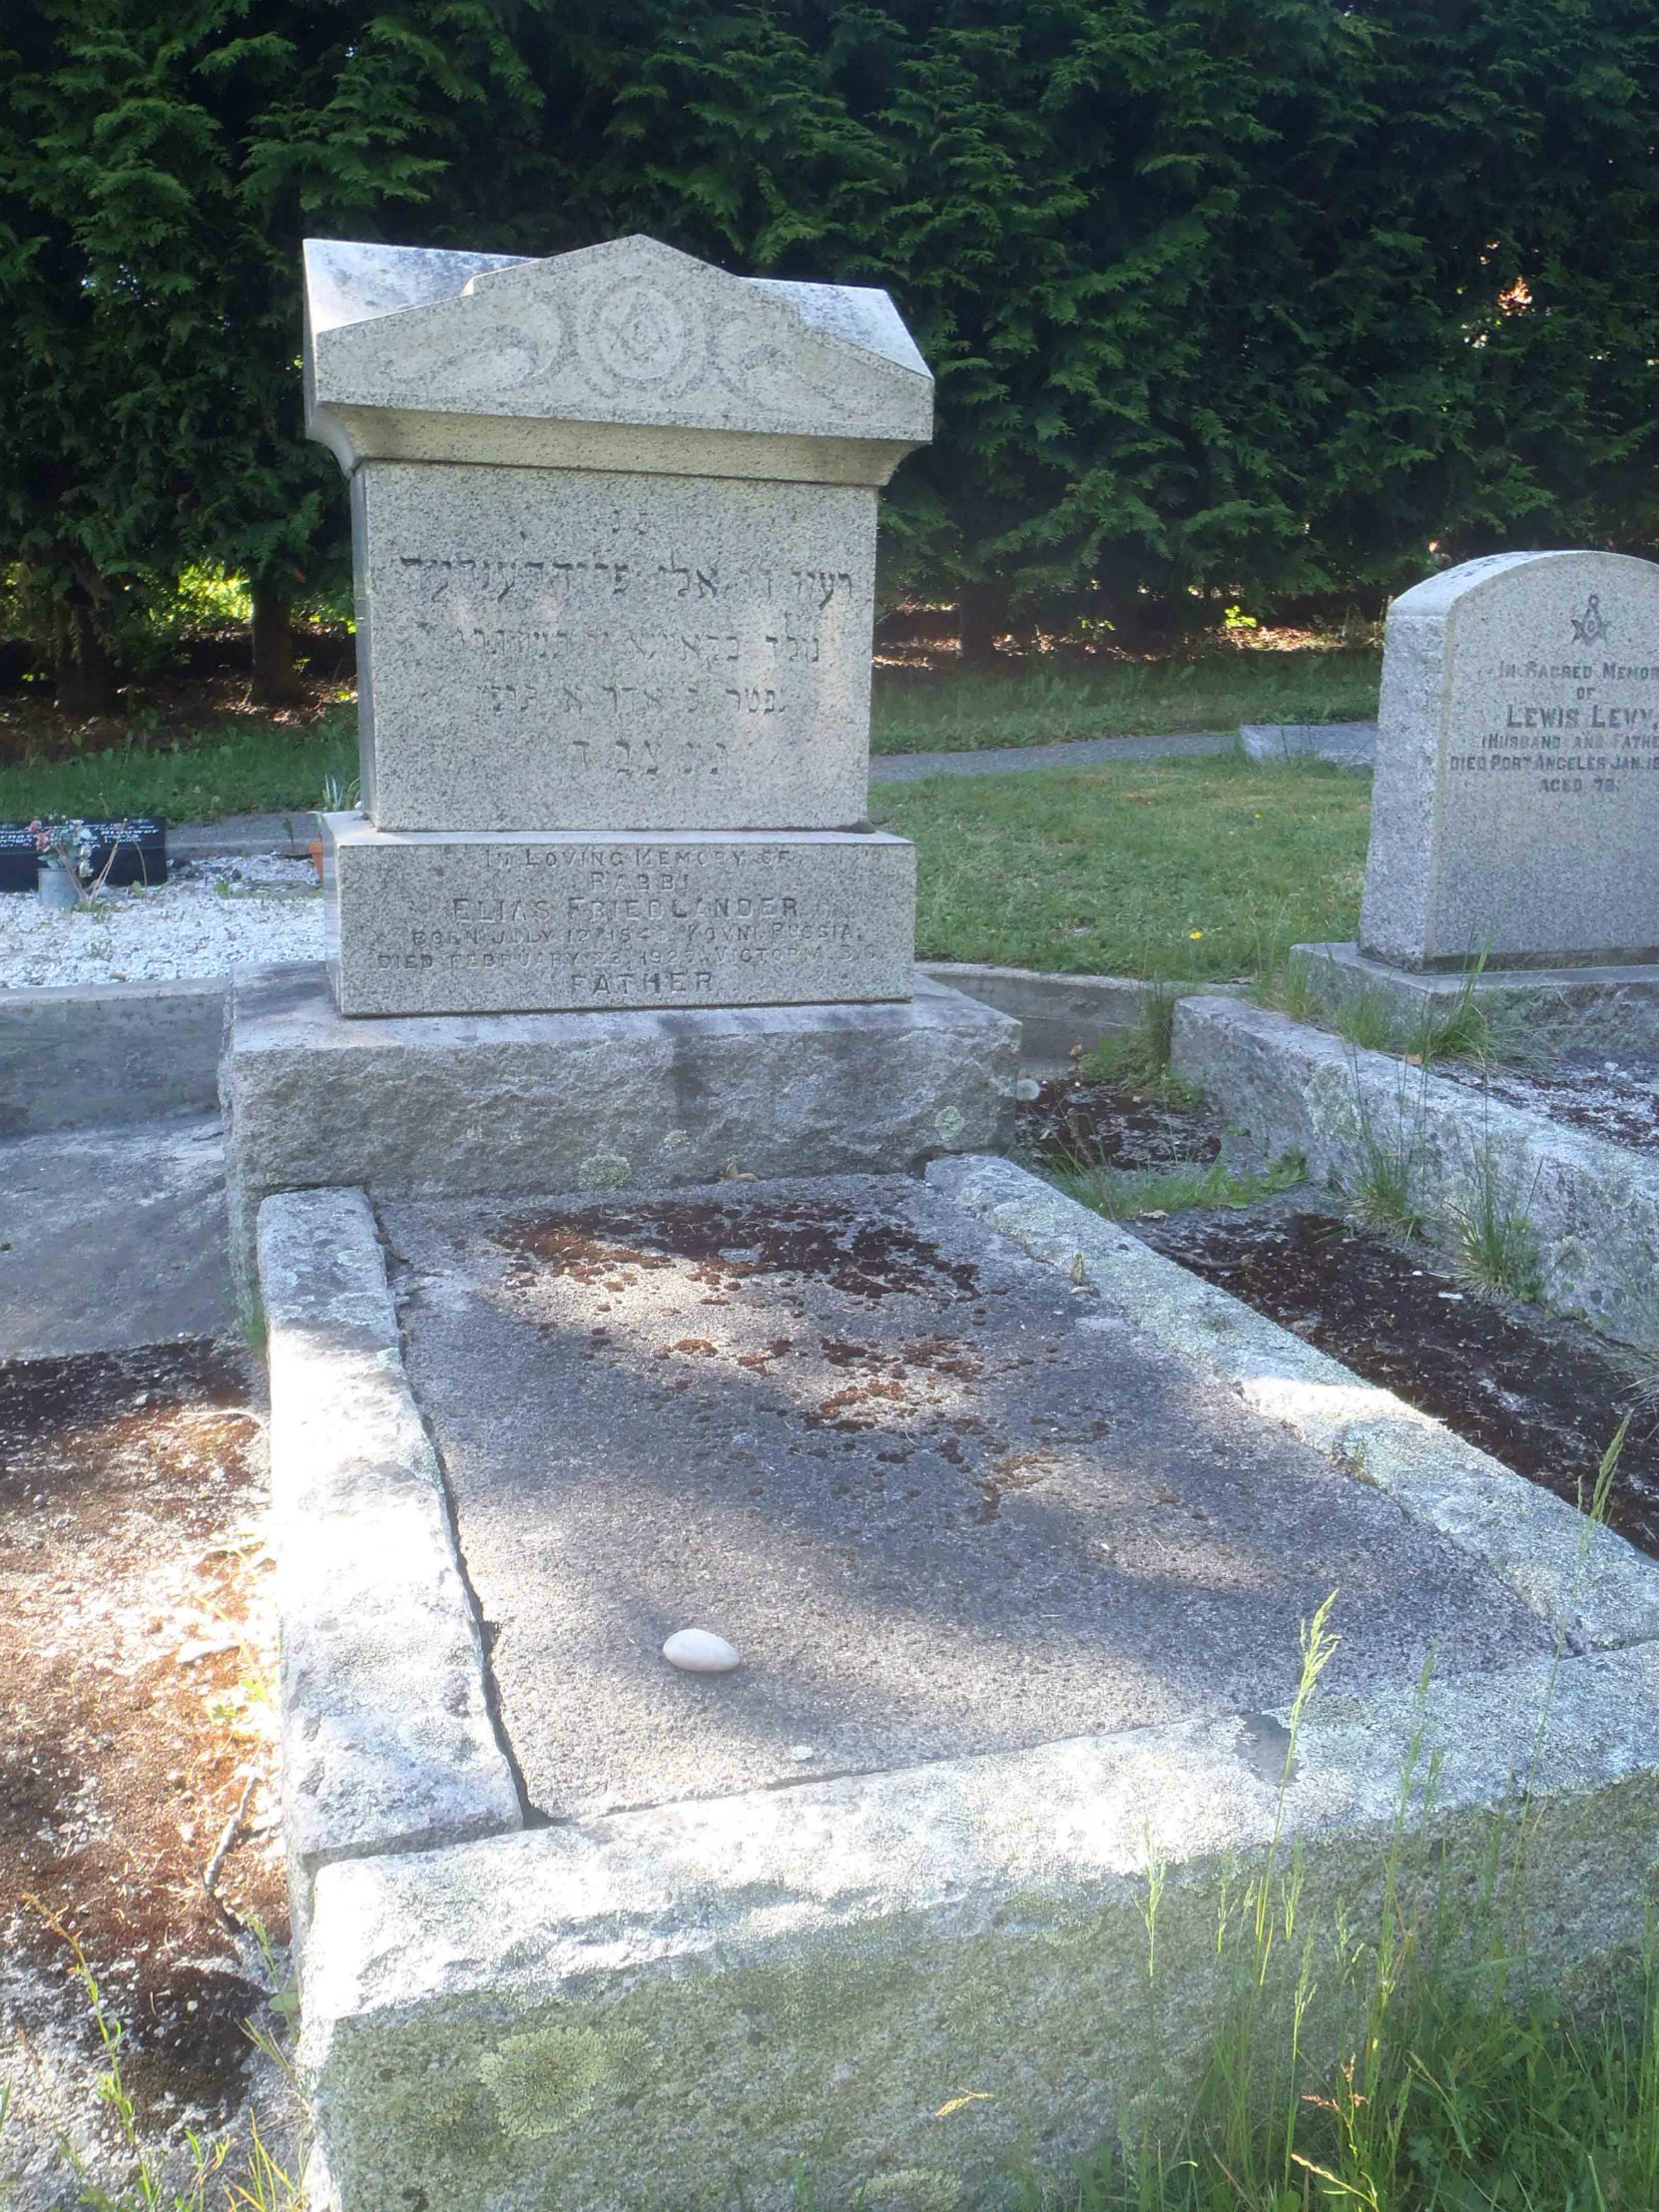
x=981 y=618
x=274 y=680
x=85 y=673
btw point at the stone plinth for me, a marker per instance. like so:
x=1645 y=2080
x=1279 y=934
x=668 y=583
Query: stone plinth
x=467 y=1105
x=448 y=923
x=1516 y=809
x=540 y=648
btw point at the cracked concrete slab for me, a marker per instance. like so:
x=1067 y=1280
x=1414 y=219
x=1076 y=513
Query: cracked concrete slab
x=942 y=1499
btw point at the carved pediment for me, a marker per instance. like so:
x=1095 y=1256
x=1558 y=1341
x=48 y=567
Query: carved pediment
x=629 y=333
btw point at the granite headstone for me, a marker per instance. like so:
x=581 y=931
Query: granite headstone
x=614 y=526
x=1516 y=806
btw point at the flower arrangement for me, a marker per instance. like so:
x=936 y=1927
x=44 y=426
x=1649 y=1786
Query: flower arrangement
x=68 y=859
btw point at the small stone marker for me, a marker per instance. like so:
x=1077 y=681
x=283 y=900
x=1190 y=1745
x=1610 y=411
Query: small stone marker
x=614 y=537
x=700 y=1651
x=1517 y=805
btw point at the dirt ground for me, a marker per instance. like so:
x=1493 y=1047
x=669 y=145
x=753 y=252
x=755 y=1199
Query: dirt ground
x=172 y=704
x=137 y=1651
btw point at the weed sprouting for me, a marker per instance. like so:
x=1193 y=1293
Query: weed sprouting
x=1123 y=1194
x=1367 y=1019
x=262 y=2186
x=1465 y=1030
x=1453 y=2080
x=1383 y=1188
x=1488 y=1227
x=1288 y=987
x=1141 y=1056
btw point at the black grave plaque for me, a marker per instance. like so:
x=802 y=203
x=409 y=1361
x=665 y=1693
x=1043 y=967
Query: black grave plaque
x=138 y=847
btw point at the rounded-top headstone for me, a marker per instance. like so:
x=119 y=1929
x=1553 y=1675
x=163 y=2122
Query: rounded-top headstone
x=1517 y=807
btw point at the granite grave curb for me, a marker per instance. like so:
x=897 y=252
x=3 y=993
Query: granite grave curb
x=1592 y=1205
x=1591 y=1585
x=387 y=1739
x=682 y=1997
x=701 y=2004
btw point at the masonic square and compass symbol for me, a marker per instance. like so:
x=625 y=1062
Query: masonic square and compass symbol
x=1590 y=628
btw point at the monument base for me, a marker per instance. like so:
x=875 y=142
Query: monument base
x=469 y=1105
x=1559 y=1005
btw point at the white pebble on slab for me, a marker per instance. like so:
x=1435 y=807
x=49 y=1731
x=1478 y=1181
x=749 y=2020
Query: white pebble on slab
x=698 y=1651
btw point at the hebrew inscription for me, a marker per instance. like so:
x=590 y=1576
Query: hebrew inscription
x=613 y=651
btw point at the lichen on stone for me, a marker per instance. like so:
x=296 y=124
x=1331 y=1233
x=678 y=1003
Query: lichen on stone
x=913 y=2189
x=547 y=2078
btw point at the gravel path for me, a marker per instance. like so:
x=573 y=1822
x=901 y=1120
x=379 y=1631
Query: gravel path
x=997 y=759
x=212 y=916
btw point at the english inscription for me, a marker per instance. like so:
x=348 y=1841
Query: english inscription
x=429 y=925
x=1573 y=727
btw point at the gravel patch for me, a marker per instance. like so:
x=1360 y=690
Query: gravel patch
x=212 y=916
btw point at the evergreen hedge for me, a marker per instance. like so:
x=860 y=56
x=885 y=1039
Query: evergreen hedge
x=1264 y=299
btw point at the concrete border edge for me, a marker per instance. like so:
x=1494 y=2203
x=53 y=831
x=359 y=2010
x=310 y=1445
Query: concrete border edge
x=388 y=1739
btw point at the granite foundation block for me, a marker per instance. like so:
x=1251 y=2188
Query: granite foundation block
x=453 y=923
x=468 y=1105
x=1584 y=1007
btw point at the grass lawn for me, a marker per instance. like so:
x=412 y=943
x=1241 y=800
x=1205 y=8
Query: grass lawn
x=1038 y=702
x=1190 y=871
x=252 y=765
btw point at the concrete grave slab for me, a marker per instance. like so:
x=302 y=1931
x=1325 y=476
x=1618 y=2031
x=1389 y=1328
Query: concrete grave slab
x=113 y=1237
x=709 y=1997
x=868 y=1441
x=461 y=923
x=1591 y=1585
